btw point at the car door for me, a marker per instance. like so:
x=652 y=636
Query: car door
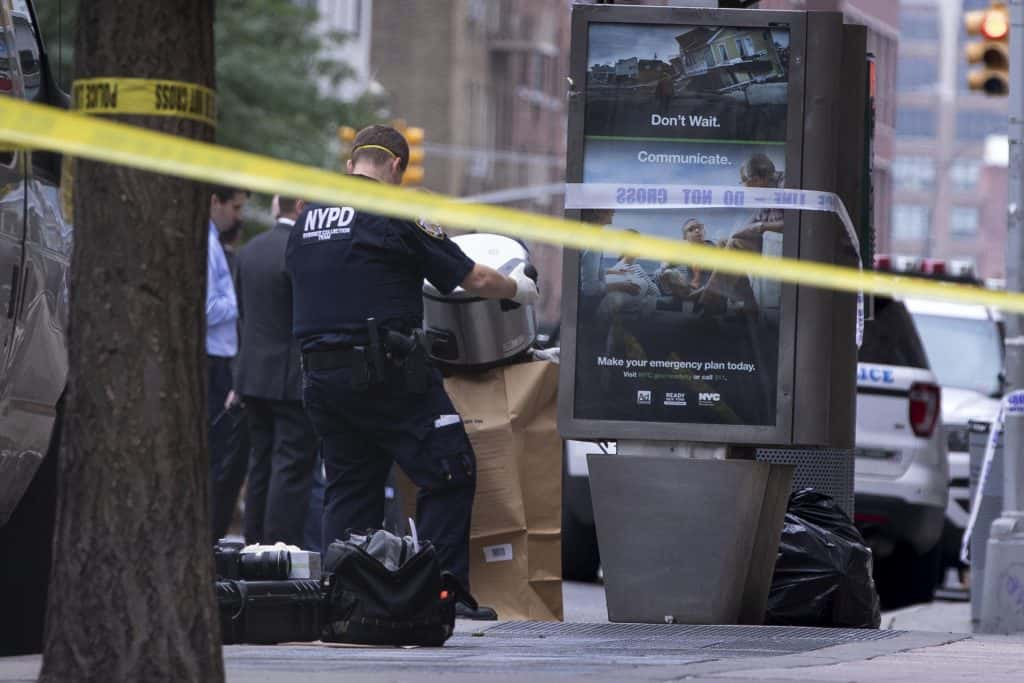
x=39 y=349
x=34 y=364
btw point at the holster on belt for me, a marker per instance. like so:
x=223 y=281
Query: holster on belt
x=416 y=361
x=389 y=354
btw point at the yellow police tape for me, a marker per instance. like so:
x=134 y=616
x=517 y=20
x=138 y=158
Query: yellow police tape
x=39 y=127
x=144 y=96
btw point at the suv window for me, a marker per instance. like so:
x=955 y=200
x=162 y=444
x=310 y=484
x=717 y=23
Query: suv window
x=966 y=353
x=891 y=338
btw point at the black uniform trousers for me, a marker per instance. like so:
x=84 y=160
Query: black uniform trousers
x=229 y=447
x=281 y=460
x=364 y=431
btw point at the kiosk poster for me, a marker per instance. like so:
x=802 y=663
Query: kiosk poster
x=687 y=106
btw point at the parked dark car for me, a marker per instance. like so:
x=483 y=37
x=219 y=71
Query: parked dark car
x=35 y=252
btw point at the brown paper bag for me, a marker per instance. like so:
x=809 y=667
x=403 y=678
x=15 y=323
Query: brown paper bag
x=515 y=539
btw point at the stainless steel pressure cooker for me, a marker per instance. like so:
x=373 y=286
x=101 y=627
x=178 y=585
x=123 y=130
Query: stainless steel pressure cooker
x=471 y=332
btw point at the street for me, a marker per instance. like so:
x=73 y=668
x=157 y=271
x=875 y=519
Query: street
x=925 y=641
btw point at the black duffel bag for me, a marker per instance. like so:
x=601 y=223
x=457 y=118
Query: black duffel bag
x=380 y=589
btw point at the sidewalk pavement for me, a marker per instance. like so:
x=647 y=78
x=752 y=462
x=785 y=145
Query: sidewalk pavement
x=936 y=650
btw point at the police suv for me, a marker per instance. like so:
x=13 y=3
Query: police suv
x=901 y=480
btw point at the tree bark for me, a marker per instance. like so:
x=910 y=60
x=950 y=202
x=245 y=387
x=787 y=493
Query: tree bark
x=131 y=589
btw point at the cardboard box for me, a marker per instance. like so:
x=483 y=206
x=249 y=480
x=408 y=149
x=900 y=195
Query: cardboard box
x=515 y=541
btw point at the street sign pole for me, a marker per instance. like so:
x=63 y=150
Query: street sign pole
x=1002 y=600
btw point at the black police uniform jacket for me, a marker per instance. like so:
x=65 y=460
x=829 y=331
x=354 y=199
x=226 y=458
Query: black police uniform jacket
x=348 y=265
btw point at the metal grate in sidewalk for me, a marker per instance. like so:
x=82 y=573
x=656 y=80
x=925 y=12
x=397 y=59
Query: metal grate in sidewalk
x=721 y=641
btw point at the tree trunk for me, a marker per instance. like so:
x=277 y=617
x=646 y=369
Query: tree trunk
x=131 y=590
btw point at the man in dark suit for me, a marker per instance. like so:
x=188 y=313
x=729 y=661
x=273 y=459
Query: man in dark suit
x=268 y=377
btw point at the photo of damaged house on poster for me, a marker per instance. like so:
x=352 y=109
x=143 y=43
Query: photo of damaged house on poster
x=683 y=106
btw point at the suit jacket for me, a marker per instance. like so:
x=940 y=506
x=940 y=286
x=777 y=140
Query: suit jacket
x=267 y=365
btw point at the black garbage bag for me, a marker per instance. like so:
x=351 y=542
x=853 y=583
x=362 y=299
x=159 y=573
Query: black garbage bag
x=823 y=571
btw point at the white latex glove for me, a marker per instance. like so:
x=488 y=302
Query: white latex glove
x=526 y=289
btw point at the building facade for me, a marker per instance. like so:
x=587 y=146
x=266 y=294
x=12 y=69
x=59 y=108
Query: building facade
x=949 y=176
x=354 y=19
x=882 y=22
x=486 y=80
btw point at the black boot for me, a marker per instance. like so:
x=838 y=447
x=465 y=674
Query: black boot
x=478 y=613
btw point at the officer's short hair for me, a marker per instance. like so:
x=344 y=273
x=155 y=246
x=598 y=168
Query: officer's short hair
x=379 y=145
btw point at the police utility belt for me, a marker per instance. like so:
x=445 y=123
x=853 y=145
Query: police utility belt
x=390 y=355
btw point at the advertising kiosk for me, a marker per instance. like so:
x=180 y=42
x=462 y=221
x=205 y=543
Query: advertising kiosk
x=673 y=359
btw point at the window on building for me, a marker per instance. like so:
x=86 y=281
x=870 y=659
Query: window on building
x=963 y=222
x=964 y=174
x=745 y=47
x=723 y=53
x=915 y=122
x=477 y=12
x=919 y=24
x=917 y=73
x=978 y=125
x=910 y=222
x=340 y=15
x=913 y=173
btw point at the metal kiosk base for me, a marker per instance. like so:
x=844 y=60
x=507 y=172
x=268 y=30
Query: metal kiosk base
x=685 y=540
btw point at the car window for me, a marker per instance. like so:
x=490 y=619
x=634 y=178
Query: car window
x=34 y=76
x=890 y=338
x=29 y=57
x=966 y=353
x=8 y=74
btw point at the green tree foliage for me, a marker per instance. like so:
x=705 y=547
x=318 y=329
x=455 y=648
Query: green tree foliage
x=271 y=63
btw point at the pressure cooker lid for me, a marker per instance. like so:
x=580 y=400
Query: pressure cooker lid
x=497 y=251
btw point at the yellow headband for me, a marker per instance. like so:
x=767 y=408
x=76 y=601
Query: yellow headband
x=380 y=147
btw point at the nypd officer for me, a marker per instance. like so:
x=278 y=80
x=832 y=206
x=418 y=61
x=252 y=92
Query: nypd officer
x=368 y=389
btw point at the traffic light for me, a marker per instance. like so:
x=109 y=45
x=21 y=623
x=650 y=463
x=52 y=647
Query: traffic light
x=992 y=51
x=414 y=171
x=414 y=136
x=346 y=134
